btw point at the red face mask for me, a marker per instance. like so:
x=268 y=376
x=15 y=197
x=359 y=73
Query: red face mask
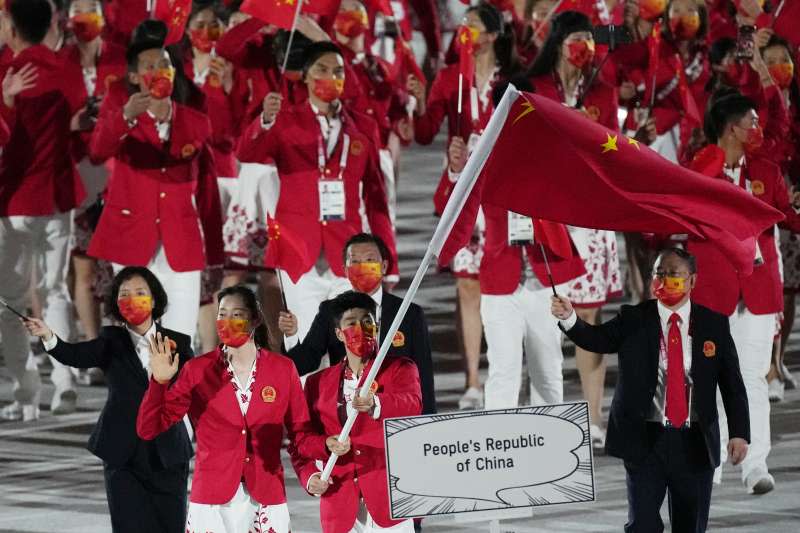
x=233 y=332
x=160 y=82
x=365 y=277
x=328 y=89
x=782 y=74
x=581 y=53
x=754 y=139
x=359 y=341
x=668 y=291
x=87 y=26
x=684 y=27
x=651 y=9
x=204 y=39
x=135 y=309
x=350 y=23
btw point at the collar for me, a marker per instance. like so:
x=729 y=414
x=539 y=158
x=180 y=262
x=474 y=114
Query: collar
x=378 y=295
x=337 y=110
x=136 y=338
x=169 y=117
x=740 y=164
x=683 y=311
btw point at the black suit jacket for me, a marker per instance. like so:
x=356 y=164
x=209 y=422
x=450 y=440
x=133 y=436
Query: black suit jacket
x=634 y=334
x=416 y=343
x=114 y=438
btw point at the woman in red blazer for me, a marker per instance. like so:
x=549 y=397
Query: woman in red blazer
x=357 y=497
x=239 y=398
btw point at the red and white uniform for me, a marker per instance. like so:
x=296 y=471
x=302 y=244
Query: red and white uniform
x=359 y=478
x=239 y=429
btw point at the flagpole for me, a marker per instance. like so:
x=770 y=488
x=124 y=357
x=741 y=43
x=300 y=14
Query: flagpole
x=549 y=272
x=460 y=98
x=548 y=17
x=151 y=7
x=283 y=293
x=455 y=204
x=291 y=36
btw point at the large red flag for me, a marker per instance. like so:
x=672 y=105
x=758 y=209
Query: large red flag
x=321 y=7
x=286 y=249
x=175 y=14
x=279 y=13
x=550 y=162
x=688 y=103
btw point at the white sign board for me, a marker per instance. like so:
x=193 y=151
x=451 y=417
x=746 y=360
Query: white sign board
x=487 y=460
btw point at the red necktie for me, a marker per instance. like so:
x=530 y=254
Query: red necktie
x=676 y=408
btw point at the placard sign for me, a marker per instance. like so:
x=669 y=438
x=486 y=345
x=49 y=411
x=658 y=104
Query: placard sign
x=486 y=460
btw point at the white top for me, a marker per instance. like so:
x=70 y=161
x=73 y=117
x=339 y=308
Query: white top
x=244 y=391
x=330 y=128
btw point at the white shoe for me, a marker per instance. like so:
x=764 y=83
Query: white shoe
x=598 y=437
x=775 y=388
x=16 y=412
x=788 y=379
x=64 y=403
x=759 y=482
x=471 y=400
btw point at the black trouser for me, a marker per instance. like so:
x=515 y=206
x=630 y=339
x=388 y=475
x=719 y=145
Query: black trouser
x=671 y=468
x=145 y=497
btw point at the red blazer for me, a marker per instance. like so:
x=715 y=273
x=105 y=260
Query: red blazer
x=37 y=174
x=232 y=447
x=501 y=265
x=600 y=101
x=291 y=143
x=719 y=287
x=156 y=185
x=362 y=472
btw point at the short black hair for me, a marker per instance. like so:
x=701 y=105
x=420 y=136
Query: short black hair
x=149 y=34
x=724 y=108
x=296 y=52
x=219 y=9
x=314 y=51
x=31 y=19
x=721 y=48
x=368 y=238
x=350 y=300
x=156 y=290
x=682 y=254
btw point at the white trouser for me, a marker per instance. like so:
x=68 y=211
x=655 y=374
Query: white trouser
x=752 y=335
x=387 y=168
x=239 y=515
x=183 y=293
x=511 y=322
x=303 y=298
x=28 y=243
x=365 y=523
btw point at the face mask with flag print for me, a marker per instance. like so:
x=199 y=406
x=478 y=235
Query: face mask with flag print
x=160 y=82
x=351 y=23
x=135 y=309
x=467 y=38
x=233 y=332
x=782 y=74
x=328 y=89
x=651 y=9
x=685 y=27
x=580 y=53
x=754 y=138
x=204 y=39
x=365 y=277
x=87 y=26
x=360 y=341
x=669 y=290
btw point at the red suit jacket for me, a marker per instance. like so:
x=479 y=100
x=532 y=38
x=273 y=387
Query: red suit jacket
x=232 y=447
x=154 y=187
x=719 y=287
x=291 y=143
x=600 y=101
x=362 y=472
x=37 y=174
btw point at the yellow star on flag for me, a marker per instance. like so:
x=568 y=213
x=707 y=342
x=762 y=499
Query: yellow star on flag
x=634 y=142
x=527 y=108
x=610 y=144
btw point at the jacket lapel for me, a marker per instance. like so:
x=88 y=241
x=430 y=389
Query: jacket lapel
x=389 y=306
x=652 y=324
x=132 y=356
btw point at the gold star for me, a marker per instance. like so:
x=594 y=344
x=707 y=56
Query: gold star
x=634 y=142
x=610 y=144
x=527 y=108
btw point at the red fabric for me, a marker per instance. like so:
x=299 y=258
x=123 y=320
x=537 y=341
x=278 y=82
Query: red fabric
x=654 y=56
x=37 y=174
x=466 y=59
x=277 y=12
x=286 y=248
x=600 y=101
x=321 y=7
x=232 y=447
x=380 y=6
x=5 y=133
x=291 y=143
x=709 y=161
x=676 y=408
x=175 y=14
x=153 y=189
x=688 y=103
x=554 y=236
x=362 y=472
x=761 y=289
x=593 y=177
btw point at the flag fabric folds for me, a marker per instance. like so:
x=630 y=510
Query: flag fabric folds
x=175 y=14
x=279 y=13
x=285 y=248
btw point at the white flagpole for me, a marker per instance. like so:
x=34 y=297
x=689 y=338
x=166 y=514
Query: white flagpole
x=291 y=36
x=453 y=208
x=151 y=7
x=549 y=15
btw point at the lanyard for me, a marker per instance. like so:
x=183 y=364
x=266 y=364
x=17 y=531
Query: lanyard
x=560 y=88
x=322 y=160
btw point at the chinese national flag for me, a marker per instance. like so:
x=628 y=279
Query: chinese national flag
x=285 y=249
x=554 y=236
x=547 y=161
x=687 y=99
x=326 y=8
x=466 y=54
x=380 y=6
x=653 y=52
x=279 y=13
x=174 y=13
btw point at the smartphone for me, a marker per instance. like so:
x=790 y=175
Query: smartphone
x=612 y=35
x=745 y=43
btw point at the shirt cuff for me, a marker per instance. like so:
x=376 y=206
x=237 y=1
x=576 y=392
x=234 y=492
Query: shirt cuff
x=569 y=323
x=376 y=411
x=50 y=344
x=452 y=176
x=291 y=342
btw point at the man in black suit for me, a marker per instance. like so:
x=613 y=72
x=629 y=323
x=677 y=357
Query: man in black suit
x=366 y=261
x=663 y=421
